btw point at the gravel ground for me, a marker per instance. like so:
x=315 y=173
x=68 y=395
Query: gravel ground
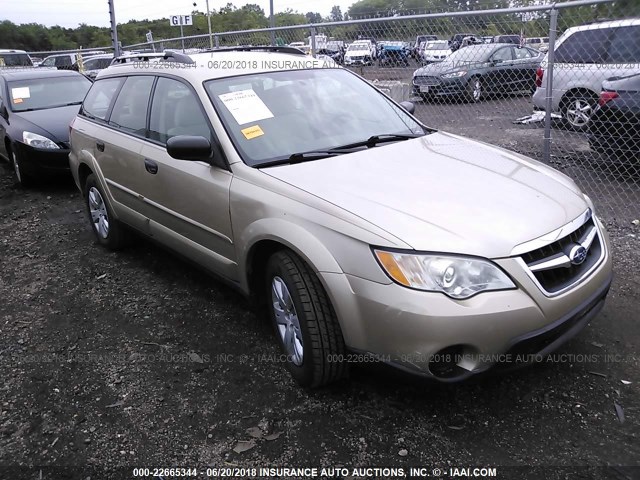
x=136 y=358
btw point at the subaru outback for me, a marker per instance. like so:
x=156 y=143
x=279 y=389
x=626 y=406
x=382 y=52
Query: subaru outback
x=362 y=232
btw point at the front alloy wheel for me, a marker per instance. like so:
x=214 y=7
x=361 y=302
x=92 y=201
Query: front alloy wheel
x=305 y=322
x=23 y=179
x=287 y=322
x=474 y=89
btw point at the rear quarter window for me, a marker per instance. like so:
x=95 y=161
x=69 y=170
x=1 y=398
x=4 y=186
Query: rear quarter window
x=15 y=60
x=100 y=97
x=587 y=46
x=625 y=45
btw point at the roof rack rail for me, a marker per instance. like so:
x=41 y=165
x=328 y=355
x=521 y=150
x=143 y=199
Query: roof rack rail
x=257 y=48
x=177 y=57
x=168 y=55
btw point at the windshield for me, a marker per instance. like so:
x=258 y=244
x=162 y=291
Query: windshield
x=273 y=115
x=49 y=92
x=358 y=47
x=437 y=46
x=472 y=54
x=15 y=60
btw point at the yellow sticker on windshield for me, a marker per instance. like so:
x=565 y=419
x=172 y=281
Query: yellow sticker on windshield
x=252 y=132
x=17 y=100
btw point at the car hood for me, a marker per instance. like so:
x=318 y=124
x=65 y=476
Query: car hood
x=54 y=121
x=357 y=53
x=444 y=193
x=435 y=69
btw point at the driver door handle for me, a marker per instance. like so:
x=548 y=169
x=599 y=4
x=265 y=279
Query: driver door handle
x=150 y=166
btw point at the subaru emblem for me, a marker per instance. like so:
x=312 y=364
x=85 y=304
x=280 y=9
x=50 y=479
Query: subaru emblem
x=578 y=254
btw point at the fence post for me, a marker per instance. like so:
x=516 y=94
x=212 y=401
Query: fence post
x=313 y=41
x=217 y=41
x=553 y=29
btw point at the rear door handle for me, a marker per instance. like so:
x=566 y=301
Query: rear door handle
x=100 y=146
x=150 y=166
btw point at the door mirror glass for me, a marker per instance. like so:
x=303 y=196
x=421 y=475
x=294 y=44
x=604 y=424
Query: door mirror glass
x=189 y=147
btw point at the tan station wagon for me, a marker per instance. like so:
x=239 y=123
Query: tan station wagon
x=364 y=234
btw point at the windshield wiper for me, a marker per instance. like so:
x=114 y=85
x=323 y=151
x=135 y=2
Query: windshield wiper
x=383 y=138
x=333 y=152
x=301 y=157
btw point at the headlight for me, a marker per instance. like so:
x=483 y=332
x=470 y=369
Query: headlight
x=456 y=277
x=459 y=74
x=38 y=141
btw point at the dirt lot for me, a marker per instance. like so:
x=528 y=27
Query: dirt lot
x=138 y=359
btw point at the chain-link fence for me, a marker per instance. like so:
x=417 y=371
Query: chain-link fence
x=555 y=82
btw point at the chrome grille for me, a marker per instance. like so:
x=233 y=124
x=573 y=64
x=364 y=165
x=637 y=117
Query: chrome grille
x=559 y=265
x=428 y=81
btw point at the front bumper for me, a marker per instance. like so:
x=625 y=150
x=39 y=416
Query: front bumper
x=35 y=161
x=413 y=330
x=440 y=87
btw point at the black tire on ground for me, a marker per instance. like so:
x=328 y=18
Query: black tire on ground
x=322 y=341
x=474 y=89
x=24 y=179
x=115 y=236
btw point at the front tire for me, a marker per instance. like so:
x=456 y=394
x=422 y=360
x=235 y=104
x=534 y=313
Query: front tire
x=108 y=231
x=24 y=179
x=306 y=324
x=474 y=89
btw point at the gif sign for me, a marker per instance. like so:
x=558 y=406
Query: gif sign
x=180 y=20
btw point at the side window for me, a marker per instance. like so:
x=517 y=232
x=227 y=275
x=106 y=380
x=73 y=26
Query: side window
x=99 y=98
x=48 y=62
x=130 y=110
x=588 y=46
x=63 y=61
x=175 y=110
x=625 y=45
x=522 y=53
x=89 y=64
x=103 y=63
x=503 y=55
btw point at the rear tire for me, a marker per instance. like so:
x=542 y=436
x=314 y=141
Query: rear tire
x=108 y=231
x=577 y=108
x=304 y=320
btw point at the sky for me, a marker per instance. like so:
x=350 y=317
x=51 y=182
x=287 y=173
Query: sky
x=70 y=13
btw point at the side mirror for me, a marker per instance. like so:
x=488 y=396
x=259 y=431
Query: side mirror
x=3 y=110
x=408 y=106
x=188 y=147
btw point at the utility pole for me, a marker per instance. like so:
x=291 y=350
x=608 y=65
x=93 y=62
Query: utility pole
x=272 y=23
x=209 y=22
x=114 y=30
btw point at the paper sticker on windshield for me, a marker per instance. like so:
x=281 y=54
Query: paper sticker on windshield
x=17 y=100
x=245 y=106
x=252 y=132
x=20 y=92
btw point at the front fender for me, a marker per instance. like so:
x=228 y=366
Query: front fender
x=292 y=236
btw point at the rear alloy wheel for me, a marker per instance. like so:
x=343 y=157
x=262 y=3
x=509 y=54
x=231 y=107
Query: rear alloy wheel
x=23 y=179
x=577 y=110
x=305 y=323
x=109 y=231
x=474 y=89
